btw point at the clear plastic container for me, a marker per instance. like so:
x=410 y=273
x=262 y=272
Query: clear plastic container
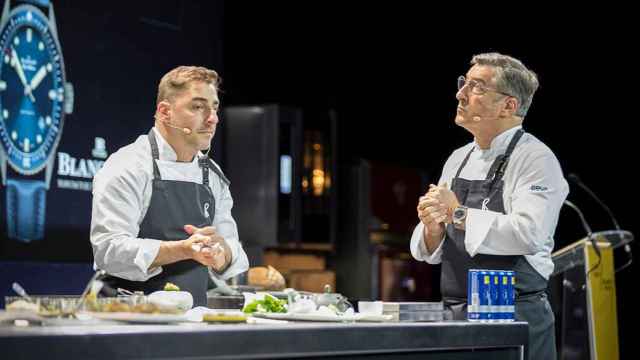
x=49 y=305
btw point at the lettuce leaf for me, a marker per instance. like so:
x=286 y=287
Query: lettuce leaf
x=268 y=304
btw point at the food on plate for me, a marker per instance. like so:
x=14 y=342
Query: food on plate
x=181 y=300
x=120 y=306
x=225 y=317
x=330 y=310
x=171 y=287
x=268 y=304
x=302 y=306
x=23 y=305
x=116 y=306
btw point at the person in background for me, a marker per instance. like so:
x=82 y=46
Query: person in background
x=497 y=202
x=161 y=208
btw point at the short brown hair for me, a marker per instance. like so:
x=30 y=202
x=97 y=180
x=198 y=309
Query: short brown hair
x=179 y=78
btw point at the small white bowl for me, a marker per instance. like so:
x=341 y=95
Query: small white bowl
x=181 y=300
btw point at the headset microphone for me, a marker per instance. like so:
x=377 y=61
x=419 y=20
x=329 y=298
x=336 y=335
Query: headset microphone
x=185 y=130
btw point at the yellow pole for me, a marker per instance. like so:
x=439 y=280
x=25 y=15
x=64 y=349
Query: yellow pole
x=601 y=302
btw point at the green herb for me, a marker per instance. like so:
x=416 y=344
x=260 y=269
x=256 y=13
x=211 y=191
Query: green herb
x=171 y=287
x=269 y=304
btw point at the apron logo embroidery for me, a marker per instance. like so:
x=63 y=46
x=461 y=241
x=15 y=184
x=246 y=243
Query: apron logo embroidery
x=484 y=204
x=538 y=188
x=206 y=210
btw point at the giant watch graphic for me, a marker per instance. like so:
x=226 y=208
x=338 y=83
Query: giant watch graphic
x=34 y=98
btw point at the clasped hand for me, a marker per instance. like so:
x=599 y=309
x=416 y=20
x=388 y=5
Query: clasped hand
x=435 y=208
x=207 y=247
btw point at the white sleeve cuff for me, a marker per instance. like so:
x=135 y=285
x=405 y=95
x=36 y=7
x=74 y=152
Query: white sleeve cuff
x=239 y=262
x=237 y=266
x=419 y=250
x=147 y=253
x=477 y=226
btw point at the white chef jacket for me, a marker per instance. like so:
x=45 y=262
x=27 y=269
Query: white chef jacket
x=534 y=191
x=121 y=196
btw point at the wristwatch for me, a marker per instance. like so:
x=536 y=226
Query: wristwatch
x=459 y=216
x=34 y=98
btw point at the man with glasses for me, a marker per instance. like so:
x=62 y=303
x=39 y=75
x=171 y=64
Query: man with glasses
x=161 y=208
x=497 y=202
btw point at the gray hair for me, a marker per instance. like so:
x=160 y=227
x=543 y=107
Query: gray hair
x=512 y=78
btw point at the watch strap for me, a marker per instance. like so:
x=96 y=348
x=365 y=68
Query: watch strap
x=26 y=205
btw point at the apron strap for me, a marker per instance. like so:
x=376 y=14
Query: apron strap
x=207 y=164
x=494 y=167
x=500 y=169
x=499 y=166
x=204 y=164
x=218 y=172
x=155 y=154
x=464 y=163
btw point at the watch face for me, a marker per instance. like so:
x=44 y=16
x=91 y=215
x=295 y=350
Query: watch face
x=458 y=214
x=31 y=90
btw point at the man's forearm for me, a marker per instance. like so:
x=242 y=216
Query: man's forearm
x=169 y=253
x=432 y=240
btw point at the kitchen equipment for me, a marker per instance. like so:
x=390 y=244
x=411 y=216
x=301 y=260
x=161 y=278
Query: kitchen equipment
x=328 y=298
x=20 y=291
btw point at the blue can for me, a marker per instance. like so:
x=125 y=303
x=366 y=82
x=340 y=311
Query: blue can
x=494 y=296
x=510 y=297
x=503 y=294
x=478 y=295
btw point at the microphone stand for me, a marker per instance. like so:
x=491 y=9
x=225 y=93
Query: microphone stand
x=590 y=237
x=627 y=248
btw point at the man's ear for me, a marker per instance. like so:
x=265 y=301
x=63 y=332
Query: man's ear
x=511 y=105
x=163 y=109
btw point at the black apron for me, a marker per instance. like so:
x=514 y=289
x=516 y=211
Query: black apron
x=531 y=301
x=174 y=204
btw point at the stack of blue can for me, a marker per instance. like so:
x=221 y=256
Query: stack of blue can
x=491 y=295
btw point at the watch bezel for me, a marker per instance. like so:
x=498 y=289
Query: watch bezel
x=48 y=158
x=459 y=214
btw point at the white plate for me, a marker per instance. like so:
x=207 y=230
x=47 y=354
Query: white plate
x=373 y=317
x=323 y=317
x=140 y=317
x=305 y=317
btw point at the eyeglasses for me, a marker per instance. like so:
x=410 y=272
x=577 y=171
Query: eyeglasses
x=476 y=87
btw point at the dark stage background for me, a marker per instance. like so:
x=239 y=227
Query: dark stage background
x=389 y=73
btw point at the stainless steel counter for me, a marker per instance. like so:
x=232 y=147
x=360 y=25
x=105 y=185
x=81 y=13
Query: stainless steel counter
x=441 y=340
